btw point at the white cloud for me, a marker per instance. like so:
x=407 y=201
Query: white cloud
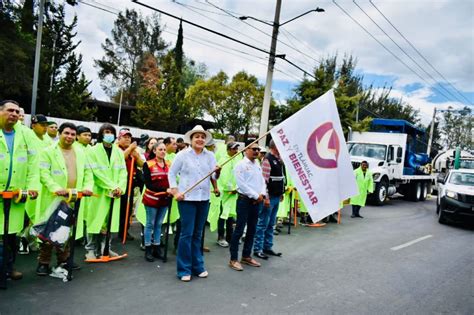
x=419 y=100
x=441 y=30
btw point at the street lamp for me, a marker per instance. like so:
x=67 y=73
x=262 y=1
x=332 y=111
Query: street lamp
x=243 y=18
x=271 y=63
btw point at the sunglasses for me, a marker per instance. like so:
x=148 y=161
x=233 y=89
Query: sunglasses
x=255 y=149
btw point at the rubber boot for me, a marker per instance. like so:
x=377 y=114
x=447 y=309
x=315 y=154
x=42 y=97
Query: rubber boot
x=157 y=251
x=148 y=254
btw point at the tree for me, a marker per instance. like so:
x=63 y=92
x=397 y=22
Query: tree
x=178 y=50
x=234 y=106
x=16 y=57
x=458 y=128
x=382 y=105
x=132 y=37
x=62 y=86
x=347 y=86
x=357 y=105
x=70 y=93
x=160 y=105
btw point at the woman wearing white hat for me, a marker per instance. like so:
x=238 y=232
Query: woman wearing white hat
x=191 y=165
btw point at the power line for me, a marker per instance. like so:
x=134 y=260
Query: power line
x=198 y=8
x=269 y=35
x=417 y=51
x=220 y=34
x=385 y=47
x=230 y=50
x=220 y=23
x=218 y=46
x=97 y=7
x=301 y=41
x=403 y=50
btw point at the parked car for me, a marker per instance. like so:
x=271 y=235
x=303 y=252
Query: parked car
x=456 y=195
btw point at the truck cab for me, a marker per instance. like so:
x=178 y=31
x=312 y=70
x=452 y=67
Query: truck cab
x=392 y=150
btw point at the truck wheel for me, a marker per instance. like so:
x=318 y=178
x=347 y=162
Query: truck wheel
x=380 y=193
x=424 y=191
x=416 y=191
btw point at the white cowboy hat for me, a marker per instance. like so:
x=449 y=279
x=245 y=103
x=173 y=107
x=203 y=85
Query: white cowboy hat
x=196 y=129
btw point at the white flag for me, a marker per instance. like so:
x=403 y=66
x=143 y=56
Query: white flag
x=312 y=146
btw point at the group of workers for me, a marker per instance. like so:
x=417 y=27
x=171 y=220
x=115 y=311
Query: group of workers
x=183 y=183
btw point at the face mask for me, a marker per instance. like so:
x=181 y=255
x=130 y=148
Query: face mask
x=109 y=138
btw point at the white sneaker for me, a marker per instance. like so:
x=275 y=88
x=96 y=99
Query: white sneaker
x=112 y=253
x=90 y=254
x=222 y=243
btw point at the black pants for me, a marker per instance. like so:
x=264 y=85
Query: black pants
x=12 y=248
x=225 y=227
x=123 y=212
x=247 y=214
x=355 y=210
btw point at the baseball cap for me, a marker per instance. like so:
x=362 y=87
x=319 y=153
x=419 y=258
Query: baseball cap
x=124 y=132
x=232 y=145
x=39 y=119
x=210 y=142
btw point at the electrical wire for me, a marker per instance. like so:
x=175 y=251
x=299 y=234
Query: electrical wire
x=403 y=50
x=259 y=30
x=220 y=34
x=97 y=7
x=218 y=22
x=388 y=50
x=417 y=51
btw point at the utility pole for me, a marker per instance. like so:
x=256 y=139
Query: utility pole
x=357 y=113
x=55 y=37
x=268 y=85
x=120 y=107
x=430 y=140
x=39 y=34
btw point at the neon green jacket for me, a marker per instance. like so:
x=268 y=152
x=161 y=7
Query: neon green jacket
x=40 y=146
x=108 y=175
x=25 y=174
x=227 y=184
x=54 y=176
x=365 y=184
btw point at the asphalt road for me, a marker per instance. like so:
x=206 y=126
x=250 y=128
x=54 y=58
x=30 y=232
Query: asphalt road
x=397 y=260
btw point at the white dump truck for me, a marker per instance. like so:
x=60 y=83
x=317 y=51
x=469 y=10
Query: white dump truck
x=391 y=149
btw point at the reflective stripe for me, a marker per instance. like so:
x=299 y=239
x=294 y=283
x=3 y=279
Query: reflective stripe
x=152 y=197
x=44 y=165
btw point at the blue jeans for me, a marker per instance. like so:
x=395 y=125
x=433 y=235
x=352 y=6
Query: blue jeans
x=193 y=215
x=154 y=219
x=247 y=214
x=266 y=222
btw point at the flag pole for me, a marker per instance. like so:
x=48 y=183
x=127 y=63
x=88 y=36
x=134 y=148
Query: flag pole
x=227 y=161
x=290 y=212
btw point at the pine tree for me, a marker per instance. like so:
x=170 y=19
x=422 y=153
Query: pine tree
x=132 y=37
x=178 y=50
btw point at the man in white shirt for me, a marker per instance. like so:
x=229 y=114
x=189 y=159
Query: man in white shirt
x=251 y=193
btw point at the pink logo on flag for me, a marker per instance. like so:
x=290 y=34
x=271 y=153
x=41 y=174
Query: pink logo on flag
x=316 y=146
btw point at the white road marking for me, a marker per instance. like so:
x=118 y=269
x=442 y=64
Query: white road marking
x=411 y=242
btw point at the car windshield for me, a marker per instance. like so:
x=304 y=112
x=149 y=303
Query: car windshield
x=469 y=164
x=464 y=179
x=375 y=151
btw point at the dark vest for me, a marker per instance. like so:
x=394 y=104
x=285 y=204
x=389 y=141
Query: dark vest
x=276 y=182
x=159 y=176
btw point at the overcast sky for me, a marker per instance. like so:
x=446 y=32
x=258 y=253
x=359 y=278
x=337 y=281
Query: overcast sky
x=443 y=31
